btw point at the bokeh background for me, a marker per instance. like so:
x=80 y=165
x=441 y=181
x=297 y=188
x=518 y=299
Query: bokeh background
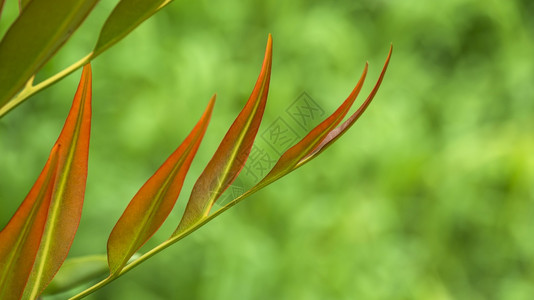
x=429 y=196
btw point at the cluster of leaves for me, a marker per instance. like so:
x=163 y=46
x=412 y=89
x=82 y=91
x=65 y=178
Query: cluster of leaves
x=36 y=241
x=43 y=27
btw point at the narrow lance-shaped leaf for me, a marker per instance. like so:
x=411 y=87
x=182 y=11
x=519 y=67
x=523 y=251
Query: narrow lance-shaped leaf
x=293 y=155
x=339 y=131
x=320 y=138
x=155 y=200
x=20 y=239
x=232 y=153
x=127 y=15
x=69 y=189
x=40 y=30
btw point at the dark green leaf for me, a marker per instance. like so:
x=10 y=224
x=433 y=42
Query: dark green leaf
x=127 y=15
x=39 y=31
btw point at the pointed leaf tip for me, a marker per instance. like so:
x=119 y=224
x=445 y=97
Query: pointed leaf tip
x=66 y=203
x=153 y=203
x=289 y=160
x=37 y=239
x=233 y=151
x=321 y=136
x=339 y=131
x=125 y=17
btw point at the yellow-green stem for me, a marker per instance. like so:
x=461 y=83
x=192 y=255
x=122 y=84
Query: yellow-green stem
x=165 y=244
x=30 y=89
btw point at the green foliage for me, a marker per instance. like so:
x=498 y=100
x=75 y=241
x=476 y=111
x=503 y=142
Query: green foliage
x=432 y=190
x=37 y=34
x=125 y=17
x=38 y=237
x=34 y=37
x=36 y=241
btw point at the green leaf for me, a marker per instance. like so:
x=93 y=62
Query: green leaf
x=127 y=15
x=152 y=204
x=77 y=271
x=232 y=153
x=39 y=31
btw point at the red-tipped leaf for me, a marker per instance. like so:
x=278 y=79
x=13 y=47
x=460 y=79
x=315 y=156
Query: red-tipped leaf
x=152 y=204
x=341 y=129
x=20 y=239
x=293 y=155
x=232 y=153
x=67 y=198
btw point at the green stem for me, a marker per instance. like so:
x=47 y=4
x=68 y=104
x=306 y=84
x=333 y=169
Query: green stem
x=29 y=90
x=164 y=245
x=175 y=238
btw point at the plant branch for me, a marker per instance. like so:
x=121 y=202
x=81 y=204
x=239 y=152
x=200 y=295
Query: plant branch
x=165 y=244
x=30 y=89
x=177 y=237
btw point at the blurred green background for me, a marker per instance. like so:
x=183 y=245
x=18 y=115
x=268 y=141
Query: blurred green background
x=429 y=196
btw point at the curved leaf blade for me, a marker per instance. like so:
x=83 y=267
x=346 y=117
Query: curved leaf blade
x=66 y=202
x=288 y=161
x=20 y=239
x=77 y=271
x=152 y=204
x=125 y=17
x=233 y=151
x=320 y=138
x=339 y=131
x=34 y=37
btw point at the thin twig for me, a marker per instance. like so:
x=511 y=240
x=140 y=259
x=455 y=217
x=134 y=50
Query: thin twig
x=30 y=89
